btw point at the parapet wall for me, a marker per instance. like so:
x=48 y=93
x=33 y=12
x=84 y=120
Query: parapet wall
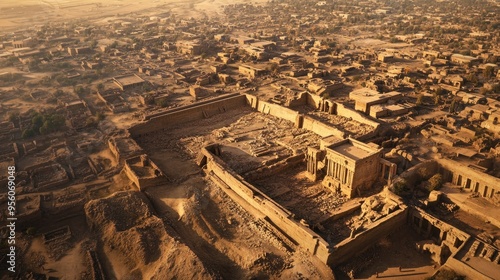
x=283 y=219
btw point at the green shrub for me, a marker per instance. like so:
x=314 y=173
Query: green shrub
x=435 y=182
x=400 y=187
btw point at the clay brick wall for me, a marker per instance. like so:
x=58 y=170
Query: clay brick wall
x=188 y=113
x=280 y=217
x=468 y=178
x=349 y=113
x=320 y=128
x=277 y=111
x=351 y=247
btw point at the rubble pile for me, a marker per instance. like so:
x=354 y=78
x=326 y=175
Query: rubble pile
x=140 y=237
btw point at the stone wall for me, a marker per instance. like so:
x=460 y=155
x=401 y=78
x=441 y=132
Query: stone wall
x=219 y=105
x=283 y=219
x=275 y=168
x=350 y=113
x=193 y=112
x=367 y=171
x=351 y=247
x=320 y=128
x=471 y=180
x=440 y=232
x=143 y=181
x=464 y=269
x=277 y=111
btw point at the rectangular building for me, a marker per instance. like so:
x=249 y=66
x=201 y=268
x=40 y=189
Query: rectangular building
x=351 y=166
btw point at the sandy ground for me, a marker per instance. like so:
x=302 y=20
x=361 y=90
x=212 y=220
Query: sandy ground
x=396 y=251
x=476 y=214
x=228 y=240
x=14 y=14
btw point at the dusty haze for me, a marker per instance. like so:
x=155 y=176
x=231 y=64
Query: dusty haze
x=26 y=13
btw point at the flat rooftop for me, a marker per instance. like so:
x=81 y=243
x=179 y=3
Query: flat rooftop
x=129 y=79
x=354 y=149
x=367 y=95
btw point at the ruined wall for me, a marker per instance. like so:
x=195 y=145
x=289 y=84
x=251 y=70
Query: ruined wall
x=114 y=148
x=219 y=105
x=301 y=100
x=199 y=103
x=351 y=247
x=131 y=176
x=280 y=217
x=468 y=178
x=463 y=269
x=349 y=113
x=275 y=168
x=430 y=227
x=51 y=175
x=320 y=128
x=305 y=122
x=277 y=111
x=144 y=181
x=412 y=176
x=188 y=113
x=313 y=100
x=252 y=100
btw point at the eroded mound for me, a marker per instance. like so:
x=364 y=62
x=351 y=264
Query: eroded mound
x=128 y=226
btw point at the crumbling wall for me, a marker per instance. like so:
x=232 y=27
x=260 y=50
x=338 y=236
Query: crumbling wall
x=314 y=100
x=464 y=269
x=275 y=168
x=280 y=217
x=252 y=101
x=351 y=247
x=298 y=101
x=320 y=128
x=440 y=232
x=188 y=113
x=124 y=147
x=412 y=176
x=471 y=180
x=277 y=111
x=349 y=113
x=48 y=176
x=143 y=181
